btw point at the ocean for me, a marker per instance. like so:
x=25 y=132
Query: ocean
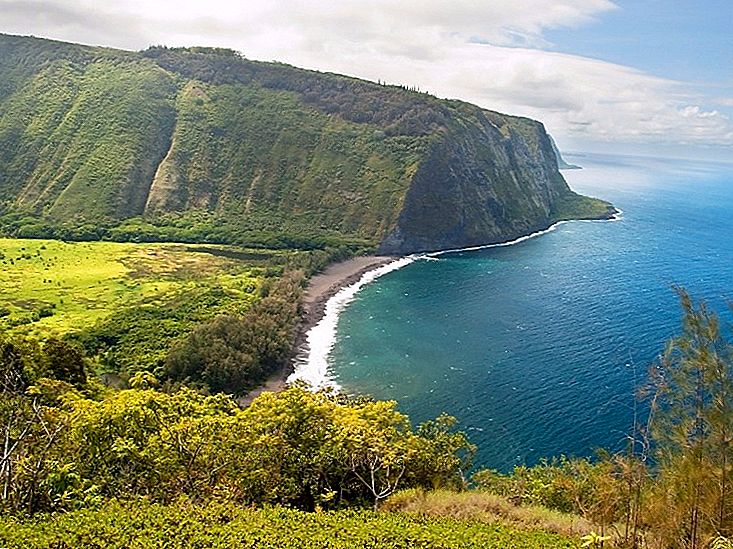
x=538 y=348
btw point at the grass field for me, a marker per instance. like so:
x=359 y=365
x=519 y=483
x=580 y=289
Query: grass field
x=52 y=287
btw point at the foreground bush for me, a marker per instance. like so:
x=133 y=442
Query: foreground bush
x=303 y=449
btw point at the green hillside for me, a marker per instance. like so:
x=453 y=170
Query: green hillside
x=203 y=145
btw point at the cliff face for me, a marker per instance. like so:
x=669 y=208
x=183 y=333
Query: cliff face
x=204 y=145
x=561 y=163
x=490 y=180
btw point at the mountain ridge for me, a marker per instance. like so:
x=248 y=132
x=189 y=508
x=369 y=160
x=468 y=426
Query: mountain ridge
x=201 y=144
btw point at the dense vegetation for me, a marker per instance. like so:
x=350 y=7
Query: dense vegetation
x=231 y=353
x=184 y=525
x=71 y=445
x=220 y=318
x=203 y=145
x=188 y=467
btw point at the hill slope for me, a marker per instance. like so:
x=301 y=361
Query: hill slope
x=201 y=144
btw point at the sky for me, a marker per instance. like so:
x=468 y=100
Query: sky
x=624 y=76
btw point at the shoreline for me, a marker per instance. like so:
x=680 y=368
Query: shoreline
x=616 y=216
x=339 y=276
x=324 y=286
x=321 y=288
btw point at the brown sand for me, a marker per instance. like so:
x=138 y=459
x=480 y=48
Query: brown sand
x=321 y=288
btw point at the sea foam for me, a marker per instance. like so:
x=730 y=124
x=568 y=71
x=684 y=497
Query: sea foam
x=616 y=217
x=498 y=244
x=311 y=364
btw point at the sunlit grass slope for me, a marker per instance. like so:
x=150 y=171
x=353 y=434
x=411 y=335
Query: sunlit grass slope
x=56 y=287
x=126 y=302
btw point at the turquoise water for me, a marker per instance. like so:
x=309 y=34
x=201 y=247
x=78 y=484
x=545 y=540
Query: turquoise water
x=537 y=347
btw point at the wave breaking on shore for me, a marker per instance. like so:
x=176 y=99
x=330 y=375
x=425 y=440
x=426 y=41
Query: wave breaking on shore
x=311 y=363
x=618 y=216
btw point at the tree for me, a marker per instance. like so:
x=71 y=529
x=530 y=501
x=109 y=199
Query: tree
x=143 y=442
x=29 y=429
x=292 y=454
x=379 y=445
x=13 y=411
x=446 y=454
x=13 y=379
x=65 y=361
x=231 y=353
x=693 y=428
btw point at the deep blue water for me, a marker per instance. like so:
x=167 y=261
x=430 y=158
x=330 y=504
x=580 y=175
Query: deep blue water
x=537 y=348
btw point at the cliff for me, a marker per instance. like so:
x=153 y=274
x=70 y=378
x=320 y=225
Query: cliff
x=203 y=145
x=561 y=163
x=492 y=178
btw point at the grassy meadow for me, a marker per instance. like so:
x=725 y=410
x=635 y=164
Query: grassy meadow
x=158 y=291
x=221 y=525
x=53 y=287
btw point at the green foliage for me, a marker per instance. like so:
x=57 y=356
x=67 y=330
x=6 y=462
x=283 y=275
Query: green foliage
x=143 y=381
x=296 y=447
x=81 y=283
x=202 y=145
x=232 y=353
x=126 y=304
x=255 y=145
x=83 y=138
x=692 y=403
x=721 y=542
x=64 y=362
x=13 y=369
x=234 y=151
x=567 y=485
x=575 y=206
x=594 y=540
x=139 y=337
x=183 y=525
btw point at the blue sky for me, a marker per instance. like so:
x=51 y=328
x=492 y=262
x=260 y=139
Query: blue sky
x=685 y=40
x=688 y=41
x=644 y=76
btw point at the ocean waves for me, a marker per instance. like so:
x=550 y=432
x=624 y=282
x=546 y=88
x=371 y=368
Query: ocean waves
x=311 y=365
x=537 y=346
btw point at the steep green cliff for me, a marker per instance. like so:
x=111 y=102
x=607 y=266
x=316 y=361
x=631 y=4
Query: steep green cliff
x=203 y=145
x=490 y=179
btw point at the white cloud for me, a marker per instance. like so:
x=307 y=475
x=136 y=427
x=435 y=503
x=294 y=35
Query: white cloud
x=72 y=21
x=492 y=53
x=724 y=101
